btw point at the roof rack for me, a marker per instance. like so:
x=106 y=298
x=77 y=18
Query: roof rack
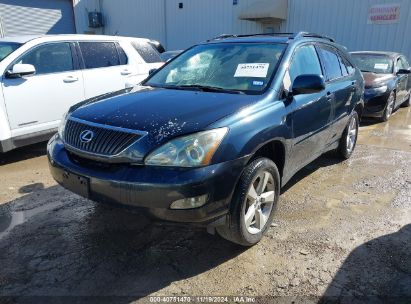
x=289 y=35
x=312 y=35
x=225 y=36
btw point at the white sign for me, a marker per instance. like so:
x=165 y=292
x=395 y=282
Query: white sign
x=259 y=70
x=381 y=66
x=384 y=14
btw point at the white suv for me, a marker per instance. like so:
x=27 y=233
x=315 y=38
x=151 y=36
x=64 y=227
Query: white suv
x=42 y=76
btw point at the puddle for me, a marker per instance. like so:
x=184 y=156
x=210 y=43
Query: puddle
x=11 y=219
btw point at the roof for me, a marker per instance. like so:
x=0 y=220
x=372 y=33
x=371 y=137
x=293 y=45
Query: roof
x=24 y=39
x=377 y=53
x=269 y=37
x=19 y=39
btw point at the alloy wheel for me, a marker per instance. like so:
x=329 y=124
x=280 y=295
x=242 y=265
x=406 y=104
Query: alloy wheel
x=259 y=202
x=352 y=135
x=390 y=106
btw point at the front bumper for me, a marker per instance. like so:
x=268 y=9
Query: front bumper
x=374 y=104
x=153 y=188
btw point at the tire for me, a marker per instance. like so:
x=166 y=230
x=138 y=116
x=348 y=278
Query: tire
x=348 y=140
x=248 y=203
x=389 y=108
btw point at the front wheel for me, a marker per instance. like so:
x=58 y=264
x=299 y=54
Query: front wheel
x=254 y=203
x=389 y=107
x=348 y=140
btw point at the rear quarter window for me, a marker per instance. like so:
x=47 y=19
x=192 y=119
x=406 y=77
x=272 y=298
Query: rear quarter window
x=99 y=54
x=147 y=52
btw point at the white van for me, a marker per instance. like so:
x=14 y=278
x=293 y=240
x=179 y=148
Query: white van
x=42 y=76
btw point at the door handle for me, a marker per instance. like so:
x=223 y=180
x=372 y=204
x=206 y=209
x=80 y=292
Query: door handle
x=69 y=79
x=329 y=96
x=125 y=72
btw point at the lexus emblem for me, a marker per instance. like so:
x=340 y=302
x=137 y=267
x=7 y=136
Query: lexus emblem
x=86 y=136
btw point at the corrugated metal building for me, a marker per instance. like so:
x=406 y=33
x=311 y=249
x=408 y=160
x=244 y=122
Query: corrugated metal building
x=165 y=21
x=24 y=17
x=348 y=22
x=181 y=23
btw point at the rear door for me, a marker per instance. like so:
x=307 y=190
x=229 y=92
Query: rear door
x=341 y=85
x=105 y=67
x=38 y=102
x=312 y=113
x=402 y=82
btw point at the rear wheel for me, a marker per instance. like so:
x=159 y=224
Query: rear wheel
x=389 y=107
x=254 y=203
x=348 y=140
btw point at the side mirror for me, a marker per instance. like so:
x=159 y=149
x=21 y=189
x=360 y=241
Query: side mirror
x=20 y=70
x=404 y=71
x=308 y=84
x=152 y=71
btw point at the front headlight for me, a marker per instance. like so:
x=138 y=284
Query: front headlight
x=378 y=89
x=62 y=125
x=194 y=150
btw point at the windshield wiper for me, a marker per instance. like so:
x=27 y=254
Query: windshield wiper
x=208 y=89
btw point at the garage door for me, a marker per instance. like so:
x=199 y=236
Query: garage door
x=24 y=17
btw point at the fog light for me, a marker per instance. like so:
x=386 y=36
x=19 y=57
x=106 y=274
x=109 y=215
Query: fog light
x=190 y=203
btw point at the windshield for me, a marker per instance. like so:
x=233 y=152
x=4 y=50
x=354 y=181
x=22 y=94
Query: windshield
x=6 y=48
x=239 y=67
x=373 y=63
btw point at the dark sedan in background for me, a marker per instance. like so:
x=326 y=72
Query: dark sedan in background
x=387 y=82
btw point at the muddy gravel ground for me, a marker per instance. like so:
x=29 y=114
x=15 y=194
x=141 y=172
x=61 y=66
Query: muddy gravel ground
x=342 y=232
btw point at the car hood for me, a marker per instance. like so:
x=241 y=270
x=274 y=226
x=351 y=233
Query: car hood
x=162 y=113
x=371 y=79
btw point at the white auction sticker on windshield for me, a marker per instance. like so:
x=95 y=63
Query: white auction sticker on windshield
x=259 y=70
x=381 y=66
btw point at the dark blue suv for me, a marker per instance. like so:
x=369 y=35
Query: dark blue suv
x=213 y=135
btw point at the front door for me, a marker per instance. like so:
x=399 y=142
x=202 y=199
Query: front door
x=312 y=113
x=37 y=102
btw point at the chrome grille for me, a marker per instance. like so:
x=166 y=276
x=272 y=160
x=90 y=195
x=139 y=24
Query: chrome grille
x=107 y=141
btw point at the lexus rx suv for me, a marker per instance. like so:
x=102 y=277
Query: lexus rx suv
x=212 y=136
x=387 y=82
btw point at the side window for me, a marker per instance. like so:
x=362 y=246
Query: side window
x=399 y=64
x=122 y=54
x=405 y=62
x=50 y=58
x=331 y=63
x=99 y=54
x=304 y=61
x=344 y=68
x=147 y=52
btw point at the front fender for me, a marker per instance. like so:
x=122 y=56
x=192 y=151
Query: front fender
x=254 y=127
